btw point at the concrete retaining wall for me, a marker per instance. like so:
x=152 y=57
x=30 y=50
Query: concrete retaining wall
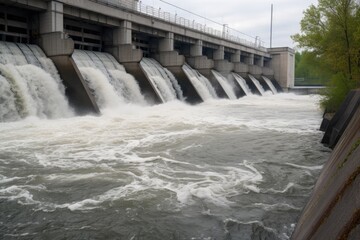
x=333 y=211
x=341 y=119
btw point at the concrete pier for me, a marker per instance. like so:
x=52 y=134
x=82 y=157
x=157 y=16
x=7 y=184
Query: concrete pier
x=58 y=47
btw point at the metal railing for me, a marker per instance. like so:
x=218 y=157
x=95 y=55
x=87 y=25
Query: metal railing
x=138 y=7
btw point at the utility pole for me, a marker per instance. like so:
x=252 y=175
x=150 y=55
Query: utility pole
x=271 y=23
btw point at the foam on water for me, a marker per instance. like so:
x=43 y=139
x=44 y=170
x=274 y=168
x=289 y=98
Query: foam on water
x=171 y=164
x=111 y=85
x=257 y=85
x=229 y=90
x=242 y=82
x=162 y=80
x=29 y=84
x=202 y=85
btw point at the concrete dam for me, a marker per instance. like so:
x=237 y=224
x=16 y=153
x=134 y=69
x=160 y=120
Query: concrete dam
x=77 y=57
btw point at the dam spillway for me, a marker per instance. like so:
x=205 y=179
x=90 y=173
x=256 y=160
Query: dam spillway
x=29 y=84
x=144 y=39
x=110 y=83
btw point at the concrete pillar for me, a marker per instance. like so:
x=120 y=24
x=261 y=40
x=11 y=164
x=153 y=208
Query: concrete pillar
x=123 y=34
x=52 y=20
x=196 y=49
x=283 y=65
x=53 y=40
x=167 y=56
x=122 y=48
x=220 y=64
x=235 y=57
x=219 y=53
x=261 y=61
x=250 y=59
x=167 y=44
x=59 y=48
x=197 y=60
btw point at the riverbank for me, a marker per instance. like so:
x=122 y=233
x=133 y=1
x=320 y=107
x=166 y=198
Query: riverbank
x=333 y=210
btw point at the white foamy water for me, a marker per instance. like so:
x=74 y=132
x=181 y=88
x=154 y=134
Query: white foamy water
x=29 y=84
x=270 y=84
x=201 y=84
x=111 y=85
x=162 y=80
x=242 y=82
x=229 y=90
x=166 y=169
x=258 y=86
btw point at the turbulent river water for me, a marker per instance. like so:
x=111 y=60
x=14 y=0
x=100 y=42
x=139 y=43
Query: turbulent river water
x=239 y=169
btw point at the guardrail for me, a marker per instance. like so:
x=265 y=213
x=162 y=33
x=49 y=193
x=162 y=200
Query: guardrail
x=175 y=19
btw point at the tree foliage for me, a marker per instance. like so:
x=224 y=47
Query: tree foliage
x=309 y=68
x=330 y=34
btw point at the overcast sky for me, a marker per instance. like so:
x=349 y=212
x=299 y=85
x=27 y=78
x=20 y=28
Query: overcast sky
x=251 y=17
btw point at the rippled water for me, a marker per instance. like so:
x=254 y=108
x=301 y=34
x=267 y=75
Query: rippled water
x=223 y=169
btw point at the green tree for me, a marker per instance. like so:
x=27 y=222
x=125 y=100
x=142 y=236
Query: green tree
x=308 y=67
x=330 y=31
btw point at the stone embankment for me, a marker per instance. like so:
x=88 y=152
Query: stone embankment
x=333 y=210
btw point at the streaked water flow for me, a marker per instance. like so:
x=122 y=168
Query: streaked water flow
x=162 y=80
x=242 y=82
x=29 y=84
x=111 y=85
x=270 y=84
x=201 y=84
x=222 y=169
x=229 y=90
x=258 y=85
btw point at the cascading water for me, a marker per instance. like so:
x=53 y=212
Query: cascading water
x=162 y=80
x=257 y=84
x=229 y=90
x=108 y=80
x=270 y=84
x=242 y=82
x=29 y=84
x=200 y=83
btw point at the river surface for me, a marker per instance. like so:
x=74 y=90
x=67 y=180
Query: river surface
x=239 y=169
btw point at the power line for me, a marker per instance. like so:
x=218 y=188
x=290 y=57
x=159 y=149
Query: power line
x=195 y=14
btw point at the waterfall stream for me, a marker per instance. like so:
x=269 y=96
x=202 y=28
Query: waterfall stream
x=242 y=82
x=162 y=80
x=29 y=84
x=229 y=90
x=257 y=84
x=200 y=83
x=270 y=84
x=111 y=85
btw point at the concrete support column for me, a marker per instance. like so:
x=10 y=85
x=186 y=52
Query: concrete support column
x=196 y=49
x=197 y=60
x=59 y=48
x=52 y=20
x=261 y=61
x=167 y=56
x=219 y=53
x=122 y=48
x=123 y=34
x=220 y=64
x=167 y=44
x=53 y=40
x=250 y=59
x=235 y=57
